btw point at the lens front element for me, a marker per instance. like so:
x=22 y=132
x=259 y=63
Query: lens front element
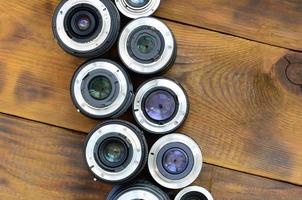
x=175 y=161
x=160 y=105
x=100 y=87
x=113 y=152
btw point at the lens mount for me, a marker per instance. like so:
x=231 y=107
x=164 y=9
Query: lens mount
x=141 y=190
x=194 y=191
x=133 y=9
x=86 y=28
x=156 y=161
x=172 y=118
x=129 y=166
x=147 y=46
x=101 y=88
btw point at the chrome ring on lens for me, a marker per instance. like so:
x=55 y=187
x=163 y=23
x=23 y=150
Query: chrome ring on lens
x=116 y=151
x=137 y=8
x=141 y=190
x=147 y=46
x=194 y=192
x=160 y=105
x=86 y=28
x=175 y=161
x=101 y=88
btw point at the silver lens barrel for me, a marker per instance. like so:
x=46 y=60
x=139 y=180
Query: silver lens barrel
x=108 y=80
x=175 y=161
x=147 y=46
x=86 y=28
x=178 y=98
x=194 y=192
x=115 y=151
x=137 y=8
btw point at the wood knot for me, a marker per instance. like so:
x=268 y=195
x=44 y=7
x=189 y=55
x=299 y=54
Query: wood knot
x=294 y=73
x=289 y=72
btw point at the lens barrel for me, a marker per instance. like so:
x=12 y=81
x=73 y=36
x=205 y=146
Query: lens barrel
x=116 y=151
x=86 y=28
x=160 y=105
x=147 y=46
x=142 y=190
x=194 y=193
x=137 y=8
x=175 y=161
x=101 y=88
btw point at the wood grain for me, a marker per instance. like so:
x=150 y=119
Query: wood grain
x=39 y=161
x=275 y=22
x=241 y=114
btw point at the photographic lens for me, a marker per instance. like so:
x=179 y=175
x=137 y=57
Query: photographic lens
x=147 y=46
x=141 y=190
x=194 y=193
x=101 y=88
x=137 y=8
x=86 y=28
x=160 y=105
x=175 y=161
x=116 y=151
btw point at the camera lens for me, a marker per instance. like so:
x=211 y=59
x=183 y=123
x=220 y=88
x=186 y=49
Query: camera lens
x=175 y=161
x=137 y=8
x=194 y=193
x=86 y=28
x=141 y=190
x=116 y=151
x=101 y=88
x=160 y=105
x=147 y=46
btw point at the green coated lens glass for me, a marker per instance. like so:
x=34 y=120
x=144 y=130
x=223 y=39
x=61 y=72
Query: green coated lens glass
x=115 y=152
x=100 y=87
x=146 y=44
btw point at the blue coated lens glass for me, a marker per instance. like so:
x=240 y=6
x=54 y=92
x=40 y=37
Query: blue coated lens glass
x=160 y=105
x=175 y=161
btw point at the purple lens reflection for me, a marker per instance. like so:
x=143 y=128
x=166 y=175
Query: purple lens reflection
x=175 y=161
x=160 y=105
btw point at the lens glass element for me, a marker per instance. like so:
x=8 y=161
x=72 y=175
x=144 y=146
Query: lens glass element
x=175 y=161
x=146 y=44
x=83 y=22
x=160 y=105
x=115 y=152
x=138 y=3
x=100 y=87
x=194 y=196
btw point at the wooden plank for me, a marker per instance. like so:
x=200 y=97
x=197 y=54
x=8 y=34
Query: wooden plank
x=230 y=185
x=39 y=161
x=241 y=113
x=276 y=22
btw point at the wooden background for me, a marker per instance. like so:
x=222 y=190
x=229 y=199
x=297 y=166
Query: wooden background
x=239 y=62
